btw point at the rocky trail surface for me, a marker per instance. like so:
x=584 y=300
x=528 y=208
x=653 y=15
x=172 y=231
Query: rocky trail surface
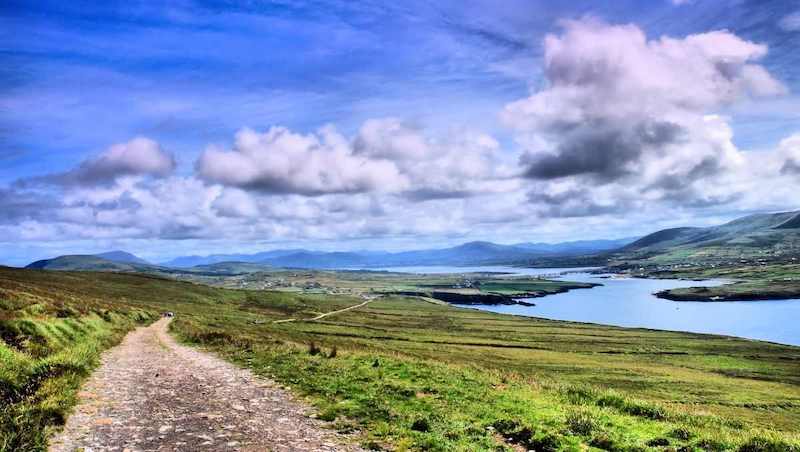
x=153 y=394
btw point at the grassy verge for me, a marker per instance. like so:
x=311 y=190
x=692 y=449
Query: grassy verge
x=49 y=346
x=411 y=375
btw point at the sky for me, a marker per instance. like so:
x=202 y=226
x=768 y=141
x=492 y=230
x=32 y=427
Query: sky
x=198 y=127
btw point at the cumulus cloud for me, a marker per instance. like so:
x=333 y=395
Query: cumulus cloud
x=462 y=164
x=235 y=203
x=623 y=124
x=626 y=111
x=281 y=161
x=789 y=155
x=137 y=157
x=18 y=205
x=387 y=155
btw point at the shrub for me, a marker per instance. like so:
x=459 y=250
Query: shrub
x=580 y=394
x=545 y=443
x=421 y=425
x=681 y=434
x=658 y=442
x=581 y=423
x=763 y=444
x=633 y=408
x=603 y=441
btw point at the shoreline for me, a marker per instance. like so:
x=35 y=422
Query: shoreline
x=493 y=298
x=723 y=297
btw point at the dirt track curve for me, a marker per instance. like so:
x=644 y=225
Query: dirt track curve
x=153 y=394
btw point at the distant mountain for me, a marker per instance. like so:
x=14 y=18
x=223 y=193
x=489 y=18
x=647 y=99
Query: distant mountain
x=472 y=253
x=763 y=235
x=82 y=262
x=122 y=256
x=224 y=268
x=578 y=246
x=192 y=261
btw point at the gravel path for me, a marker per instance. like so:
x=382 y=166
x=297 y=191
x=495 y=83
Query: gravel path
x=152 y=394
x=326 y=314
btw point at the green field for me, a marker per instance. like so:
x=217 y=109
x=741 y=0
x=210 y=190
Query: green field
x=407 y=374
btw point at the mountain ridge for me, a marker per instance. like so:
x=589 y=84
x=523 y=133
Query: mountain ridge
x=122 y=257
x=766 y=236
x=469 y=253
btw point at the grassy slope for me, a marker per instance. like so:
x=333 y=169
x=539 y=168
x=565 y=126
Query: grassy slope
x=418 y=375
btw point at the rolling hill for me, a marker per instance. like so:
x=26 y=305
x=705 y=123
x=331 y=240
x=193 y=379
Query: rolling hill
x=771 y=236
x=81 y=262
x=123 y=257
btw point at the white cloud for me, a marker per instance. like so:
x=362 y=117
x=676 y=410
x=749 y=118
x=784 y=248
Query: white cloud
x=235 y=203
x=625 y=136
x=137 y=157
x=622 y=113
x=386 y=156
x=281 y=161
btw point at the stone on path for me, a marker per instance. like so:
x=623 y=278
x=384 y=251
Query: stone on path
x=153 y=394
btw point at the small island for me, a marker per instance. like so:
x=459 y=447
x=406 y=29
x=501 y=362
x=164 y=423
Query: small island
x=766 y=281
x=759 y=290
x=499 y=291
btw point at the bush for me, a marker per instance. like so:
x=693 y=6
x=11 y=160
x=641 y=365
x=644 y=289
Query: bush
x=681 y=434
x=580 y=394
x=762 y=444
x=421 y=425
x=658 y=442
x=603 y=441
x=581 y=423
x=633 y=408
x=546 y=443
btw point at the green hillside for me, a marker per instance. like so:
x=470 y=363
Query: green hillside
x=768 y=237
x=82 y=262
x=409 y=374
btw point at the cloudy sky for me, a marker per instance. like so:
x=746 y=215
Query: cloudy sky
x=221 y=126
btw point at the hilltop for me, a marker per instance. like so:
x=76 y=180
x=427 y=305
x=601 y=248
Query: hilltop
x=761 y=237
x=109 y=261
x=122 y=256
x=81 y=262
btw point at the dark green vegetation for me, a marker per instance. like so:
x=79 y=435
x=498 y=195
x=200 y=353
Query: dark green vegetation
x=488 y=290
x=748 y=282
x=410 y=374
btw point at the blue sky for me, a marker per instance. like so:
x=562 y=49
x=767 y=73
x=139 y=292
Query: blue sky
x=78 y=77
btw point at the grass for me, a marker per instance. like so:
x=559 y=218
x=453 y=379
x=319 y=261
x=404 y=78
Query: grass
x=49 y=346
x=407 y=374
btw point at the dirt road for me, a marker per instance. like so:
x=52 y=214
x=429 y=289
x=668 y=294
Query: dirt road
x=152 y=394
